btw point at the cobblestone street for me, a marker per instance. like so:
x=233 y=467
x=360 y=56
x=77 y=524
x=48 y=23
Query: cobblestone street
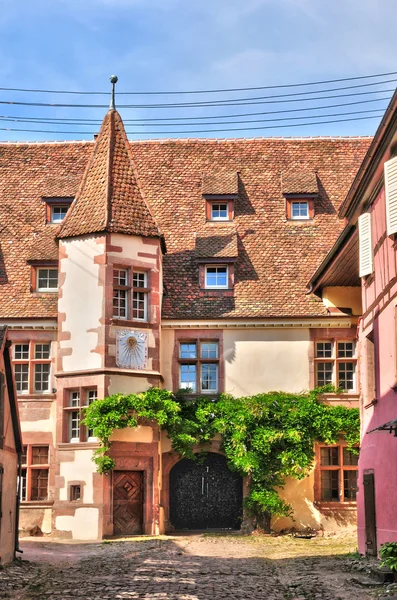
x=180 y=568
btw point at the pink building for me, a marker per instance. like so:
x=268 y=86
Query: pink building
x=366 y=255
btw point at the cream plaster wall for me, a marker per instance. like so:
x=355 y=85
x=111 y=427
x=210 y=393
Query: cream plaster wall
x=264 y=360
x=83 y=525
x=343 y=297
x=142 y=433
x=128 y=384
x=82 y=469
x=81 y=300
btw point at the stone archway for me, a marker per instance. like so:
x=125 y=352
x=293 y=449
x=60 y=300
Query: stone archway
x=205 y=494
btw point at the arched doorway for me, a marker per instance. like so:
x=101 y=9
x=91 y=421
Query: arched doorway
x=205 y=494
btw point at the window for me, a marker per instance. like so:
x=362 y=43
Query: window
x=335 y=364
x=300 y=208
x=199 y=366
x=47 y=280
x=219 y=210
x=76 y=400
x=130 y=301
x=32 y=367
x=338 y=471
x=75 y=493
x=34 y=475
x=58 y=212
x=216 y=277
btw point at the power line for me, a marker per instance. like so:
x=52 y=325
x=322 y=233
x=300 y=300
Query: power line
x=196 y=130
x=76 y=120
x=214 y=91
x=191 y=105
x=70 y=122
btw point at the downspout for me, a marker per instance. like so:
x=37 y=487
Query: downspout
x=17 y=507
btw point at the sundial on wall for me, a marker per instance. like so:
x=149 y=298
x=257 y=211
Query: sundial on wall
x=131 y=349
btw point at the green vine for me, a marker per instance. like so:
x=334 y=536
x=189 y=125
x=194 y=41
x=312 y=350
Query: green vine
x=267 y=437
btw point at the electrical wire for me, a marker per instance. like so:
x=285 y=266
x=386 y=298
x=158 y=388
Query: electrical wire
x=214 y=91
x=196 y=130
x=197 y=104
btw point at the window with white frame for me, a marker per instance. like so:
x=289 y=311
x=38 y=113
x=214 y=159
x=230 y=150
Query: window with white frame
x=219 y=211
x=58 y=212
x=199 y=366
x=216 y=276
x=335 y=363
x=130 y=294
x=300 y=209
x=76 y=400
x=47 y=280
x=32 y=367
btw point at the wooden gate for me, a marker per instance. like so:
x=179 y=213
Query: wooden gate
x=127 y=502
x=370 y=514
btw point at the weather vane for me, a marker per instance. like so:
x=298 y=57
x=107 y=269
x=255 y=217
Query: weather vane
x=113 y=80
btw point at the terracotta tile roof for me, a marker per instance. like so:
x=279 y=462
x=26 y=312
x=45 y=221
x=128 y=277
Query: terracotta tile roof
x=276 y=258
x=299 y=181
x=220 y=182
x=109 y=197
x=44 y=245
x=213 y=245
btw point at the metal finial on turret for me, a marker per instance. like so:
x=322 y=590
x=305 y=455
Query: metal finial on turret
x=113 y=80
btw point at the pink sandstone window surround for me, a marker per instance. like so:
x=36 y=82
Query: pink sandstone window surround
x=32 y=367
x=34 y=474
x=75 y=401
x=199 y=366
x=335 y=363
x=130 y=294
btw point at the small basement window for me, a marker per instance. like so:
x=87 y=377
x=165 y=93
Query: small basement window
x=75 y=493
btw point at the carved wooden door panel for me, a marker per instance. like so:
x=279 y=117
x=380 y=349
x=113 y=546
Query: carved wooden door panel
x=128 y=502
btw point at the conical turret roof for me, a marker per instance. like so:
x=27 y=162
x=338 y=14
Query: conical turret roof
x=109 y=197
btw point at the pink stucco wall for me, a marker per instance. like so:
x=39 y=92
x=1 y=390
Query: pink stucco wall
x=379 y=449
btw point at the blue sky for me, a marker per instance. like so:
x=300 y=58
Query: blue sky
x=190 y=44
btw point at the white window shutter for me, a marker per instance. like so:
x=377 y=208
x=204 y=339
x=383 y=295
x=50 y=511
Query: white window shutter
x=365 y=239
x=391 y=195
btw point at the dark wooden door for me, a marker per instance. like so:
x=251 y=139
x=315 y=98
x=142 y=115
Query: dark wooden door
x=370 y=513
x=205 y=494
x=128 y=502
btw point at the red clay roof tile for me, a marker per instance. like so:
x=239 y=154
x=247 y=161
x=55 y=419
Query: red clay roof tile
x=220 y=183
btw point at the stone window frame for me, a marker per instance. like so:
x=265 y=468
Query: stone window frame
x=28 y=467
x=69 y=410
x=74 y=484
x=31 y=362
x=198 y=362
x=336 y=360
x=341 y=467
x=135 y=294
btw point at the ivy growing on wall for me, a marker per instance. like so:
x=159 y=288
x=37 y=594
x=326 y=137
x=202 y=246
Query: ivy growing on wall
x=267 y=437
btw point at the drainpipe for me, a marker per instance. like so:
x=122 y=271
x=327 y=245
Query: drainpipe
x=17 y=506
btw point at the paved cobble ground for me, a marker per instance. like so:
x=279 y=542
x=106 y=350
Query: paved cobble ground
x=180 y=568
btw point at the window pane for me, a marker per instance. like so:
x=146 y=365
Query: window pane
x=188 y=351
x=209 y=350
x=21 y=351
x=216 y=277
x=75 y=493
x=345 y=349
x=42 y=351
x=188 y=377
x=74 y=426
x=300 y=210
x=219 y=211
x=120 y=304
x=330 y=486
x=350 y=485
x=39 y=484
x=40 y=455
x=139 y=305
x=22 y=484
x=346 y=375
x=58 y=213
x=24 y=455
x=329 y=456
x=47 y=279
x=139 y=280
x=74 y=399
x=21 y=377
x=350 y=458
x=323 y=349
x=324 y=373
x=42 y=377
x=120 y=277
x=209 y=378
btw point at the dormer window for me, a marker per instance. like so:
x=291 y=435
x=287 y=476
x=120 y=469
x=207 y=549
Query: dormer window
x=300 y=208
x=216 y=277
x=47 y=280
x=56 y=209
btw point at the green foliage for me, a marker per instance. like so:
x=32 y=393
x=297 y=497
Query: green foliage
x=388 y=554
x=267 y=437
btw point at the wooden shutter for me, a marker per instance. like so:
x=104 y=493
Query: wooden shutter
x=391 y=195
x=365 y=238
